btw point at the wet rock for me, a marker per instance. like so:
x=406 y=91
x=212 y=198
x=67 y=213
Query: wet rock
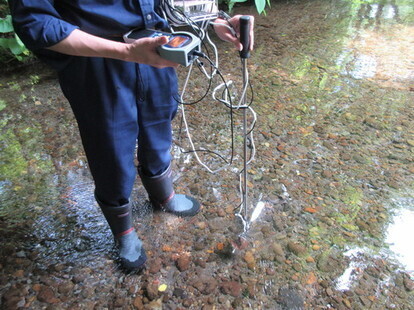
x=324 y=283
x=250 y=260
x=201 y=225
x=290 y=299
x=13 y=298
x=187 y=302
x=330 y=146
x=362 y=225
x=327 y=174
x=327 y=263
x=21 y=254
x=47 y=295
x=88 y=292
x=199 y=245
x=120 y=301
x=18 y=273
x=179 y=293
x=224 y=249
x=347 y=303
x=221 y=213
x=48 y=280
x=137 y=303
x=374 y=123
x=59 y=267
x=237 y=303
x=297 y=266
x=360 y=159
x=66 y=287
x=365 y=301
x=232 y=288
x=205 y=285
x=201 y=262
x=296 y=248
x=13 y=302
x=217 y=224
x=345 y=156
x=151 y=290
x=155 y=265
x=79 y=278
x=277 y=249
x=183 y=262
x=408 y=283
x=155 y=304
x=319 y=129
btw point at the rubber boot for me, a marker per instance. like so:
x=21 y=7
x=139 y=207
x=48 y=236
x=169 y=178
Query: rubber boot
x=131 y=251
x=162 y=196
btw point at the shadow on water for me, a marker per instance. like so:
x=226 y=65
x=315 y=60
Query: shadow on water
x=329 y=190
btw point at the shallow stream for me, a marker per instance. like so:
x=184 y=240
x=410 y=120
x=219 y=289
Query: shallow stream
x=331 y=189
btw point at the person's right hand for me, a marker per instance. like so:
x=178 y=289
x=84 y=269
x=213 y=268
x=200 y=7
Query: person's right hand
x=80 y=43
x=144 y=51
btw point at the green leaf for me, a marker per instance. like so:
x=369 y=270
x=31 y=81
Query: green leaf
x=260 y=5
x=16 y=48
x=6 y=24
x=231 y=3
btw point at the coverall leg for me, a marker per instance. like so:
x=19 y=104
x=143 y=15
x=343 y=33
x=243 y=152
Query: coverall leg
x=115 y=103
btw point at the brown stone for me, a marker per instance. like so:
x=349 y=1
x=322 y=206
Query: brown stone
x=152 y=291
x=277 y=249
x=137 y=303
x=183 y=262
x=250 y=260
x=205 y=285
x=232 y=288
x=65 y=287
x=296 y=248
x=19 y=273
x=408 y=284
x=155 y=265
x=47 y=295
x=14 y=302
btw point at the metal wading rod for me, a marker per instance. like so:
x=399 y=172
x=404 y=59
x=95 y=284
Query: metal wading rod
x=244 y=54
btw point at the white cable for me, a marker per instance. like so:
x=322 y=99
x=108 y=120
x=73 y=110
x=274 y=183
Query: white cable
x=243 y=95
x=180 y=18
x=216 y=64
x=187 y=129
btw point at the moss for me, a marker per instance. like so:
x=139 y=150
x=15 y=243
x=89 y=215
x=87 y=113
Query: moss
x=13 y=165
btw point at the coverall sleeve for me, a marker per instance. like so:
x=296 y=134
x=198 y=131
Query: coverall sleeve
x=38 y=24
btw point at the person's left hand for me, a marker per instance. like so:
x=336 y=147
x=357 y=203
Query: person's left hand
x=226 y=34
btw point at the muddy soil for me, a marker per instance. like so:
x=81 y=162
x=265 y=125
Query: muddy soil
x=333 y=89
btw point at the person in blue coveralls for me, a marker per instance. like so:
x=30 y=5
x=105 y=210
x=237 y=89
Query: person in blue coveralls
x=120 y=93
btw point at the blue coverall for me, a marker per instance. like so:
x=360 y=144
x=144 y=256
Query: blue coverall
x=114 y=102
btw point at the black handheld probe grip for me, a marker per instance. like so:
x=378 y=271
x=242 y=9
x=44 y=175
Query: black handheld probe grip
x=245 y=36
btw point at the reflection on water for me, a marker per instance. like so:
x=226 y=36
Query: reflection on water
x=378 y=47
x=73 y=226
x=319 y=169
x=400 y=234
x=356 y=266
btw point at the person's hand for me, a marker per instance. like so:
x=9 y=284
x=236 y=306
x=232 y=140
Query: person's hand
x=226 y=34
x=144 y=51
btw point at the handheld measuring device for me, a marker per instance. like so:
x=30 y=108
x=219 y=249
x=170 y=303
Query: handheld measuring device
x=180 y=47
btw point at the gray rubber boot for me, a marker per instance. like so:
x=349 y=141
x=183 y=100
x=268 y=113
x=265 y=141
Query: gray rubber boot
x=131 y=251
x=162 y=196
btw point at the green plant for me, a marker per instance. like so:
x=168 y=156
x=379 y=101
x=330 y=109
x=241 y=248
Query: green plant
x=10 y=43
x=260 y=4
